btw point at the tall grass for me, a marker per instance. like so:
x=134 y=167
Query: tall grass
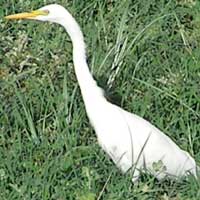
x=144 y=54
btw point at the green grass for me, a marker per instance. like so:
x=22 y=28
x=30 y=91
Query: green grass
x=145 y=54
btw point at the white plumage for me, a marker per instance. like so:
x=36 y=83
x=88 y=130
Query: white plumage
x=131 y=141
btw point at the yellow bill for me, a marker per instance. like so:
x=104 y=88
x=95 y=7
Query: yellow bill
x=28 y=15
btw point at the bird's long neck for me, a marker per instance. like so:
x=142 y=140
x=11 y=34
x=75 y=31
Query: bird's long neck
x=90 y=91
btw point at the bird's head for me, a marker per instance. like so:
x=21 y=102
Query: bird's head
x=52 y=13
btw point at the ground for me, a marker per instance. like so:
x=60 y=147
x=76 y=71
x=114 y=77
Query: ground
x=144 y=54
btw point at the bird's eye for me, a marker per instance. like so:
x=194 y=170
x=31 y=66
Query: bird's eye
x=46 y=12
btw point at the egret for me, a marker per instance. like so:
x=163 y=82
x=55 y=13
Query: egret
x=133 y=143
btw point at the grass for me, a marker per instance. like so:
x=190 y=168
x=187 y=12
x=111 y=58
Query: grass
x=145 y=54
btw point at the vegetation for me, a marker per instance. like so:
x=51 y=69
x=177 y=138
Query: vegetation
x=145 y=54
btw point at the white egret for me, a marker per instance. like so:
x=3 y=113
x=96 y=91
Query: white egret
x=130 y=141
